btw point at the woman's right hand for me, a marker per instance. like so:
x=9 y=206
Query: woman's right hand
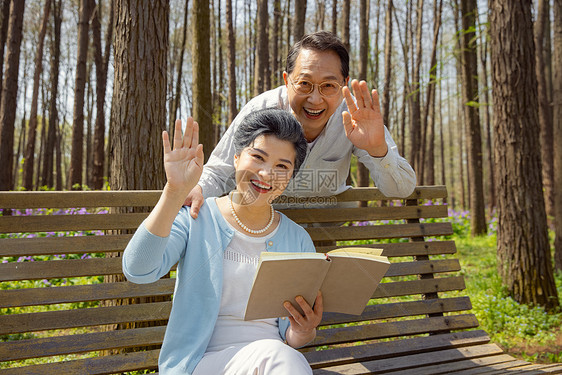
x=184 y=163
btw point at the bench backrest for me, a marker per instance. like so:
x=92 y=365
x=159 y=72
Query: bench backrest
x=62 y=297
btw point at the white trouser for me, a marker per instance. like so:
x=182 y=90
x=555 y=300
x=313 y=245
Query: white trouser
x=261 y=357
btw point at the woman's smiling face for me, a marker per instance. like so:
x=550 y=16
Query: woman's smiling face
x=264 y=168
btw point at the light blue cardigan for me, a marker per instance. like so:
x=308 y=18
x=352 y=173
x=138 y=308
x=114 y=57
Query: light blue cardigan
x=197 y=246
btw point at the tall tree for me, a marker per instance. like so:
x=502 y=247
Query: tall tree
x=557 y=116
x=415 y=96
x=51 y=144
x=201 y=60
x=177 y=96
x=524 y=260
x=346 y=9
x=29 y=155
x=275 y=36
x=101 y=60
x=231 y=63
x=5 y=17
x=469 y=12
x=8 y=102
x=300 y=18
x=486 y=109
x=387 y=64
x=545 y=116
x=334 y=17
x=77 y=151
x=362 y=171
x=262 y=53
x=428 y=120
x=138 y=108
x=139 y=94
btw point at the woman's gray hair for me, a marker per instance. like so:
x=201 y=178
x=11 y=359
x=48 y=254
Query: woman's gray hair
x=271 y=121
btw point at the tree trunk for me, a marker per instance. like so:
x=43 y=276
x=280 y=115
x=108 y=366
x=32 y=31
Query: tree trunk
x=557 y=116
x=50 y=145
x=469 y=11
x=428 y=141
x=101 y=85
x=177 y=97
x=138 y=109
x=524 y=260
x=346 y=9
x=487 y=122
x=335 y=17
x=362 y=171
x=8 y=103
x=77 y=152
x=89 y=114
x=387 y=64
x=415 y=105
x=319 y=15
x=545 y=115
x=5 y=17
x=300 y=18
x=219 y=105
x=201 y=60
x=42 y=139
x=275 y=35
x=262 y=53
x=231 y=55
x=23 y=135
x=138 y=120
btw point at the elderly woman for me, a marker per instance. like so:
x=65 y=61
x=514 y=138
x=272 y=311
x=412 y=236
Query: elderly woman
x=217 y=254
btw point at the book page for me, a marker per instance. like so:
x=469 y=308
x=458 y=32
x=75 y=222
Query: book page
x=351 y=282
x=360 y=252
x=280 y=280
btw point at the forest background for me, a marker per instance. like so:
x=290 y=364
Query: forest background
x=470 y=90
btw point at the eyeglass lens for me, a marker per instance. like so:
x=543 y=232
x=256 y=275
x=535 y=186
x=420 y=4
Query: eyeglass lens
x=326 y=88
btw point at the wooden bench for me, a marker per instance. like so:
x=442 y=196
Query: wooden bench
x=56 y=319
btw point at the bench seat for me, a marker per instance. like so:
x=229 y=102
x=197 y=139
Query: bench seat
x=65 y=307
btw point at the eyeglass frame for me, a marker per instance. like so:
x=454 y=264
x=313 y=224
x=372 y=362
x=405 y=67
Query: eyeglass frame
x=313 y=85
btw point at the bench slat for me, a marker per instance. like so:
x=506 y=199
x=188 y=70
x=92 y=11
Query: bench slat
x=59 y=269
x=473 y=366
x=413 y=361
x=112 y=266
x=164 y=287
x=42 y=321
x=80 y=343
x=93 y=366
x=61 y=223
x=79 y=199
x=381 y=231
x=62 y=319
x=82 y=293
x=372 y=194
x=402 y=249
x=401 y=309
x=341 y=335
x=423 y=267
x=335 y=215
x=425 y=286
x=144 y=198
x=16 y=247
x=386 y=349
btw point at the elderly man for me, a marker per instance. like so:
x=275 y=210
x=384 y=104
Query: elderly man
x=316 y=79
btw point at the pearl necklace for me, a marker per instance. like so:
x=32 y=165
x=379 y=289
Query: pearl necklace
x=239 y=222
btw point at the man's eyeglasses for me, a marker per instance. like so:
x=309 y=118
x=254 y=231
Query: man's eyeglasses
x=304 y=87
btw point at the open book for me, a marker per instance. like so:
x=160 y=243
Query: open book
x=347 y=278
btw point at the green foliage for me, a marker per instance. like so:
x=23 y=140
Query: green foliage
x=526 y=331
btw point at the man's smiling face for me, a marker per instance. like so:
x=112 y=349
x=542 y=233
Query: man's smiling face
x=314 y=110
